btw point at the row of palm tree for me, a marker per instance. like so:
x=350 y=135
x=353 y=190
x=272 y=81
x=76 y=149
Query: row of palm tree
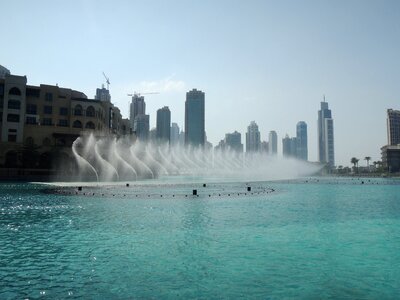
x=355 y=160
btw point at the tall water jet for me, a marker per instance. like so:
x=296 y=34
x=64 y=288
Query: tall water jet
x=82 y=163
x=109 y=159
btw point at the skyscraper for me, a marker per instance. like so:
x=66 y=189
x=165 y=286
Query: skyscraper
x=194 y=118
x=393 y=127
x=289 y=146
x=103 y=94
x=302 y=150
x=253 y=142
x=163 y=124
x=141 y=127
x=326 y=151
x=174 y=137
x=140 y=122
x=273 y=143
x=138 y=107
x=234 y=141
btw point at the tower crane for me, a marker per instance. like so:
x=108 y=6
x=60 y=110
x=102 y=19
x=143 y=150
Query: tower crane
x=139 y=94
x=107 y=81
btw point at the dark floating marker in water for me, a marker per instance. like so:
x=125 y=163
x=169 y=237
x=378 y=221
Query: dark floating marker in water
x=194 y=192
x=127 y=185
x=204 y=185
x=249 y=188
x=79 y=188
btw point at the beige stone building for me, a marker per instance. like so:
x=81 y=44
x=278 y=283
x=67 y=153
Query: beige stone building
x=46 y=119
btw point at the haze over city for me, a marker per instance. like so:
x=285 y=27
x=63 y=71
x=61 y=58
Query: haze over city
x=264 y=61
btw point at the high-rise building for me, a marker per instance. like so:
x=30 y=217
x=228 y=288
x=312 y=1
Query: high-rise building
x=174 y=136
x=253 y=142
x=141 y=127
x=234 y=141
x=140 y=122
x=302 y=150
x=393 y=127
x=137 y=107
x=326 y=150
x=163 y=124
x=289 y=146
x=273 y=143
x=103 y=94
x=195 y=118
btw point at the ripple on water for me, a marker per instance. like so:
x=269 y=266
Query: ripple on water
x=305 y=240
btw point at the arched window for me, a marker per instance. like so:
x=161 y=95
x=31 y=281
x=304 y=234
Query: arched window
x=78 y=110
x=90 y=111
x=14 y=104
x=29 y=141
x=15 y=91
x=46 y=142
x=90 y=125
x=77 y=124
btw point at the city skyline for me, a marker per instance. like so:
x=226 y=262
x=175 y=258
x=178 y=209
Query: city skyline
x=289 y=55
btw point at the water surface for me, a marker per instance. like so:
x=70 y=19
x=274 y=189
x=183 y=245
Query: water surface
x=314 y=238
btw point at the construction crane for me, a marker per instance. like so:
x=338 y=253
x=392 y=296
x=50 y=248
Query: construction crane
x=139 y=94
x=107 y=81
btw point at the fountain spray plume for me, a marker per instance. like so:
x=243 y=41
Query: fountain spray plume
x=111 y=159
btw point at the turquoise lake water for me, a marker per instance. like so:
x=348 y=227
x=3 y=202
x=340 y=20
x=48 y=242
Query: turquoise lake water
x=307 y=239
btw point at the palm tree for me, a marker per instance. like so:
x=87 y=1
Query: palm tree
x=354 y=161
x=367 y=158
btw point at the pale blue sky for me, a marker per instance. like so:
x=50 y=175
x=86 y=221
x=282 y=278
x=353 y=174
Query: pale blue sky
x=268 y=61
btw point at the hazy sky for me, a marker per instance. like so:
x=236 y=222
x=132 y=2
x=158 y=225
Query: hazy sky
x=268 y=61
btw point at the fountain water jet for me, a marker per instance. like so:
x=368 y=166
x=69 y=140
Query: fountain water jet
x=113 y=160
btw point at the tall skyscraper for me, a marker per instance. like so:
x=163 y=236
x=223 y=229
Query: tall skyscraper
x=195 y=118
x=393 y=127
x=273 y=143
x=163 y=124
x=174 y=137
x=141 y=127
x=326 y=150
x=140 y=122
x=138 y=107
x=253 y=141
x=302 y=150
